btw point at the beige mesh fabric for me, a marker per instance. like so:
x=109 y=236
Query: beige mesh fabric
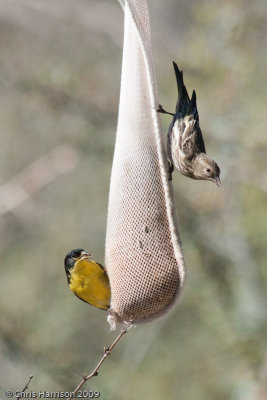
x=144 y=259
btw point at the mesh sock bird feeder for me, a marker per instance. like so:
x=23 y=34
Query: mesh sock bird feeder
x=144 y=258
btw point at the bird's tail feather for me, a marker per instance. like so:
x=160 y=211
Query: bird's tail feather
x=192 y=106
x=183 y=98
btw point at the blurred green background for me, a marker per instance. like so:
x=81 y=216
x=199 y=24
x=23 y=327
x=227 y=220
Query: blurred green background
x=60 y=65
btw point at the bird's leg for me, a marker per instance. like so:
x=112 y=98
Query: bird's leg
x=170 y=170
x=160 y=109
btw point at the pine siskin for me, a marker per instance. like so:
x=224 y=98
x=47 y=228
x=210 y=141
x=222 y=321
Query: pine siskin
x=185 y=144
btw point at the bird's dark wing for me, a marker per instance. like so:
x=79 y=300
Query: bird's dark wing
x=101 y=266
x=192 y=140
x=183 y=98
x=192 y=108
x=200 y=146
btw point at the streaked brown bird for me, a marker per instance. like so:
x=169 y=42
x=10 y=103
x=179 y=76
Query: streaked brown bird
x=185 y=144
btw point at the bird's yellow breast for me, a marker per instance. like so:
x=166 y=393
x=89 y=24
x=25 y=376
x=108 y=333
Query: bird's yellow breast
x=90 y=283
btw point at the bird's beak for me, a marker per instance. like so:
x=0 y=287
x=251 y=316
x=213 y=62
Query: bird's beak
x=85 y=255
x=217 y=181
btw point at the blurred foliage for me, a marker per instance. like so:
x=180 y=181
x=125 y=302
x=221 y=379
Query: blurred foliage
x=60 y=74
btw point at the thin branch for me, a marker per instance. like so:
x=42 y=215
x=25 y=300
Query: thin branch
x=25 y=387
x=107 y=352
x=35 y=176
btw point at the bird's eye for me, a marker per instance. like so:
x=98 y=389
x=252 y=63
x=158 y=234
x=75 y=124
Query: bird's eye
x=208 y=169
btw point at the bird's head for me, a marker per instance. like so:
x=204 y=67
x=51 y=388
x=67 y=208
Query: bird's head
x=207 y=169
x=73 y=256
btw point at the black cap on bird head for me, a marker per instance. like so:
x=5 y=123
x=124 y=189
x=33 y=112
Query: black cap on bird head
x=73 y=256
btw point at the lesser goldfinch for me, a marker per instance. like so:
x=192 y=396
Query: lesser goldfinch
x=185 y=144
x=87 y=279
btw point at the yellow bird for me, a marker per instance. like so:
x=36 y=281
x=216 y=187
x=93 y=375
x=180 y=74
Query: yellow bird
x=87 y=279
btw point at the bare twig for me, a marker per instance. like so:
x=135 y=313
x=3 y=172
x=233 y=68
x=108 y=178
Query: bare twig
x=107 y=352
x=25 y=387
x=35 y=176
